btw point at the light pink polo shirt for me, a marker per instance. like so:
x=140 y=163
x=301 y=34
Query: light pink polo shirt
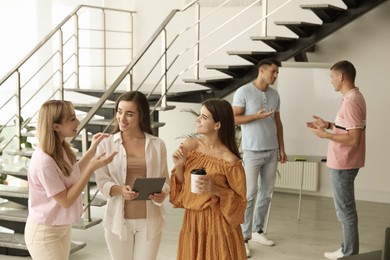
x=45 y=180
x=351 y=115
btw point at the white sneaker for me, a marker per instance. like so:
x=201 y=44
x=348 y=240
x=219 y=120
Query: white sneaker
x=334 y=255
x=248 y=251
x=262 y=239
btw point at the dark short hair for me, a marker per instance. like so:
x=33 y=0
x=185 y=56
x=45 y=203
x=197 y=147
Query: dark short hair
x=346 y=68
x=269 y=61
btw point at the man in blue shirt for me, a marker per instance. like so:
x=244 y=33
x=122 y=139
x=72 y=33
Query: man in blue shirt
x=256 y=108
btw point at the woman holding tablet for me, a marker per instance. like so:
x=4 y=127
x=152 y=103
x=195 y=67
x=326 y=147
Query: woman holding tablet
x=215 y=207
x=133 y=228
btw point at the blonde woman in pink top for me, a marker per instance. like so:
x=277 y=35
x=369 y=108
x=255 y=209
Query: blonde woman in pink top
x=56 y=181
x=346 y=153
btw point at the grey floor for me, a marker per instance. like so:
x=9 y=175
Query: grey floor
x=316 y=232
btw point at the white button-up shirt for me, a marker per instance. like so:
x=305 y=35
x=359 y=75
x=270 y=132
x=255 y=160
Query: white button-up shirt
x=115 y=174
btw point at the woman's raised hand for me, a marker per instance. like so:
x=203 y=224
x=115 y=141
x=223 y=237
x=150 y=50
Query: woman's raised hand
x=180 y=155
x=97 y=138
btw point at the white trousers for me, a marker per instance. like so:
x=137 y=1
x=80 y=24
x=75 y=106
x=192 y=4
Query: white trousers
x=136 y=247
x=46 y=242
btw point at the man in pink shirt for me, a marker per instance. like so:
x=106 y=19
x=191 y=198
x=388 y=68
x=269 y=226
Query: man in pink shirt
x=346 y=152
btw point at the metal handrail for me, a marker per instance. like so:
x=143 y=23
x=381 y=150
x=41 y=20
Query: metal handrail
x=159 y=31
x=59 y=71
x=153 y=39
x=196 y=63
x=127 y=70
x=236 y=36
x=50 y=35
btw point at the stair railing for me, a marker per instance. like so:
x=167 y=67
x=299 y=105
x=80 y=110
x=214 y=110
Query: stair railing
x=166 y=67
x=59 y=54
x=227 y=42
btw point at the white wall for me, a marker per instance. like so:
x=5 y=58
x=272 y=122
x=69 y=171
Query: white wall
x=364 y=42
x=23 y=23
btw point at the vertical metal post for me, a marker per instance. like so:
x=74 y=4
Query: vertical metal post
x=164 y=82
x=104 y=50
x=61 y=63
x=132 y=36
x=264 y=4
x=197 y=38
x=86 y=197
x=76 y=51
x=131 y=48
x=18 y=119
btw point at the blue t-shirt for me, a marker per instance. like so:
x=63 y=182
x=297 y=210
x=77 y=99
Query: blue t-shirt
x=261 y=134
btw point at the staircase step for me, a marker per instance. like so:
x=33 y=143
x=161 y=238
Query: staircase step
x=113 y=97
x=76 y=246
x=9 y=241
x=20 y=195
x=16 y=241
x=98 y=201
x=96 y=93
x=192 y=96
x=301 y=29
x=19 y=217
x=352 y=3
x=107 y=122
x=21 y=173
x=24 y=152
x=14 y=214
x=276 y=42
x=253 y=56
x=13 y=218
x=237 y=71
x=327 y=13
x=184 y=95
x=165 y=108
x=108 y=110
x=215 y=83
x=15 y=194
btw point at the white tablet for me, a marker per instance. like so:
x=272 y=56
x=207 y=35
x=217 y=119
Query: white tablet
x=147 y=186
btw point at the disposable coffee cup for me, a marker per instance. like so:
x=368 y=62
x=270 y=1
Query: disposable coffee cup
x=195 y=173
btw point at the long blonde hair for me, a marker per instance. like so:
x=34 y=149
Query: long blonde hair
x=51 y=112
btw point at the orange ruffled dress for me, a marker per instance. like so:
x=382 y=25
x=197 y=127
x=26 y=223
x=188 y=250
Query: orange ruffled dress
x=211 y=225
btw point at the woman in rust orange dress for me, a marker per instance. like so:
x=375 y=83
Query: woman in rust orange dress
x=211 y=226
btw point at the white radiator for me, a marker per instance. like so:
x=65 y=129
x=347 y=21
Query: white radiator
x=289 y=176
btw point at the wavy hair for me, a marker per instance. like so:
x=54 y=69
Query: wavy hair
x=55 y=112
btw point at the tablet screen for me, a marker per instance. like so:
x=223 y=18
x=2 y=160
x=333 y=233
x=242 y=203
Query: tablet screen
x=147 y=186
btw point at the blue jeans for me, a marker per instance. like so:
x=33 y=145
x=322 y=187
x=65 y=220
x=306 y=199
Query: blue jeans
x=344 y=201
x=257 y=164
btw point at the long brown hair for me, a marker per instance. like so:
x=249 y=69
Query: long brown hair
x=51 y=112
x=143 y=108
x=222 y=112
